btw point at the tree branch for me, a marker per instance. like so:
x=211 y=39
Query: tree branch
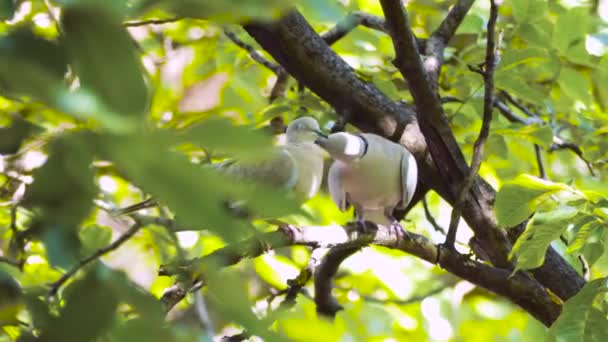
x=488 y=105
x=100 y=252
x=519 y=288
x=430 y=218
x=294 y=44
x=442 y=35
x=152 y=22
x=559 y=144
x=256 y=56
x=327 y=305
x=350 y=22
x=539 y=161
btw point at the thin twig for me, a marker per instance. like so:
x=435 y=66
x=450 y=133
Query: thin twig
x=559 y=144
x=512 y=117
x=256 y=56
x=517 y=104
x=539 y=161
x=280 y=86
x=488 y=75
x=411 y=300
x=100 y=252
x=152 y=22
x=430 y=218
x=350 y=22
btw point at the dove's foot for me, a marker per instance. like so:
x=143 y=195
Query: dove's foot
x=397 y=230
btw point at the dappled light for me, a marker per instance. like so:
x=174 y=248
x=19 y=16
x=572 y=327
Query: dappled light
x=274 y=170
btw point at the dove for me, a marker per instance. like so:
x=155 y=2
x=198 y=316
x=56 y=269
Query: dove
x=296 y=166
x=372 y=174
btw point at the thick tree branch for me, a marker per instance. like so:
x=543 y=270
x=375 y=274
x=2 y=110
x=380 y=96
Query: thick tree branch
x=292 y=42
x=519 y=288
x=488 y=105
x=327 y=305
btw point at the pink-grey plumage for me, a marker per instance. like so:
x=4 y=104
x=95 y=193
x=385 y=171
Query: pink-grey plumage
x=370 y=173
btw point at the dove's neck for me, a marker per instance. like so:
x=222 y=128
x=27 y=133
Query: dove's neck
x=355 y=148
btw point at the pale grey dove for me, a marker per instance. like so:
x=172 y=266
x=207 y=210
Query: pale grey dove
x=370 y=173
x=295 y=166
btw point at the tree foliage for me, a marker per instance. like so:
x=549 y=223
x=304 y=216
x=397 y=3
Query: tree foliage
x=107 y=103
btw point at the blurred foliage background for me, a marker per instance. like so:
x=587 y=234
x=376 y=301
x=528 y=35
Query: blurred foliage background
x=105 y=103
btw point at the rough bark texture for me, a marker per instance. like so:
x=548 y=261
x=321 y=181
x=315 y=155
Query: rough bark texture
x=424 y=130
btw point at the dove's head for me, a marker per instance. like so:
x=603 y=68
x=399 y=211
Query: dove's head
x=343 y=146
x=303 y=129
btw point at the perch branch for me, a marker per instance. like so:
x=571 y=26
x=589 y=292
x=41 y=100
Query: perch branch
x=519 y=288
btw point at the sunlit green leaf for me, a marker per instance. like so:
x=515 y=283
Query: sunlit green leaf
x=95 y=237
x=577 y=23
x=531 y=247
x=580 y=319
x=227 y=11
x=517 y=199
x=528 y=10
x=574 y=85
x=275 y=270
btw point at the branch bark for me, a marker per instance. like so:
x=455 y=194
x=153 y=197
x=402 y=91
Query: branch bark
x=519 y=288
x=306 y=56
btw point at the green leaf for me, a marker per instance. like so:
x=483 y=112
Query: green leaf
x=105 y=59
x=62 y=194
x=513 y=58
x=538 y=134
x=198 y=195
x=7 y=9
x=517 y=199
x=531 y=247
x=472 y=23
x=31 y=66
x=577 y=23
x=220 y=135
x=538 y=34
x=519 y=87
x=95 y=237
x=90 y=298
x=580 y=320
x=64 y=188
x=575 y=85
x=12 y=137
x=585 y=228
x=276 y=270
x=228 y=295
x=10 y=299
x=528 y=10
x=227 y=12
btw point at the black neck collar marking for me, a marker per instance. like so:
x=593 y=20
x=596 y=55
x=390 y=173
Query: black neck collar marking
x=365 y=145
